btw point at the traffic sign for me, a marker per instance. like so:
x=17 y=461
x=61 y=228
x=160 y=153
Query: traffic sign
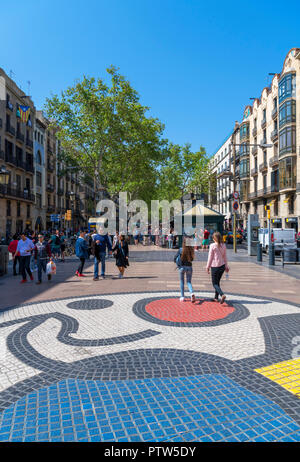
x=235 y=205
x=235 y=195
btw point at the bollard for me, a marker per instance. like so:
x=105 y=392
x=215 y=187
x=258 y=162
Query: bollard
x=272 y=255
x=259 y=252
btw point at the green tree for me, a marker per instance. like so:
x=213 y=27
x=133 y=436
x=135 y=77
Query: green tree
x=105 y=132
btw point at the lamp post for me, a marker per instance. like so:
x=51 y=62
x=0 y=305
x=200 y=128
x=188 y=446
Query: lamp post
x=72 y=197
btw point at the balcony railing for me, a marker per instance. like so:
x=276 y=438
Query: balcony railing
x=1 y=123
x=263 y=166
x=29 y=143
x=29 y=167
x=263 y=141
x=20 y=163
x=10 y=159
x=2 y=155
x=50 y=167
x=9 y=191
x=274 y=113
x=9 y=105
x=10 y=129
x=50 y=188
x=274 y=135
x=254 y=171
x=224 y=173
x=244 y=175
x=60 y=192
x=254 y=150
x=273 y=161
x=50 y=209
x=254 y=131
x=20 y=136
x=252 y=195
x=263 y=123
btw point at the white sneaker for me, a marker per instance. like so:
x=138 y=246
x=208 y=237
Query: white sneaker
x=182 y=299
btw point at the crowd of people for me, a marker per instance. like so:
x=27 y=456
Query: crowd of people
x=33 y=251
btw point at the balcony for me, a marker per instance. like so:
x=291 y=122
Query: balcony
x=9 y=106
x=49 y=149
x=9 y=191
x=224 y=173
x=1 y=123
x=252 y=195
x=273 y=161
x=50 y=167
x=244 y=175
x=10 y=159
x=254 y=171
x=254 y=150
x=60 y=192
x=29 y=167
x=263 y=141
x=2 y=155
x=29 y=143
x=50 y=209
x=244 y=151
x=274 y=135
x=50 y=188
x=20 y=136
x=263 y=123
x=254 y=132
x=263 y=167
x=274 y=113
x=10 y=129
x=20 y=163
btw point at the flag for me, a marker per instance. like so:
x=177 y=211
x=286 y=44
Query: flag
x=24 y=113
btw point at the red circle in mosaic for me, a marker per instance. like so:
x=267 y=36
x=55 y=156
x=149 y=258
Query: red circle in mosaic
x=173 y=310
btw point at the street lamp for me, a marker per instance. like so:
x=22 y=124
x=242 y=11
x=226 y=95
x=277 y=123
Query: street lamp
x=72 y=197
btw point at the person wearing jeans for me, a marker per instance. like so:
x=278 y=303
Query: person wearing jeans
x=24 y=249
x=217 y=263
x=81 y=250
x=183 y=260
x=42 y=252
x=100 y=242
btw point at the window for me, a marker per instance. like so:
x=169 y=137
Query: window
x=39 y=201
x=8 y=208
x=244 y=131
x=287 y=173
x=264 y=115
x=18 y=181
x=291 y=204
x=255 y=185
x=28 y=211
x=18 y=209
x=244 y=168
x=38 y=158
x=38 y=179
x=42 y=139
x=275 y=103
x=287 y=140
x=287 y=87
x=265 y=181
x=287 y=112
x=255 y=123
x=244 y=150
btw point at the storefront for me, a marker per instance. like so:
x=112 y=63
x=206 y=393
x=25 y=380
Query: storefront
x=276 y=222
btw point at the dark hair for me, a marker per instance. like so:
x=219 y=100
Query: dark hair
x=187 y=252
x=15 y=237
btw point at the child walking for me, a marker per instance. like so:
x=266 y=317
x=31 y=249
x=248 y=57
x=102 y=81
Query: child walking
x=217 y=262
x=184 y=259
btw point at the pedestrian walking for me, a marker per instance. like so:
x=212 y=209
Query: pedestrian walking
x=217 y=263
x=24 y=248
x=12 y=248
x=120 y=252
x=101 y=242
x=55 y=244
x=62 y=246
x=170 y=239
x=41 y=253
x=184 y=261
x=205 y=242
x=81 y=250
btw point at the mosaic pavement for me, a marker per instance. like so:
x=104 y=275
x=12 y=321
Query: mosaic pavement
x=145 y=367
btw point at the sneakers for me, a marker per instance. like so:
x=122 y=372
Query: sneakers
x=96 y=279
x=182 y=299
x=81 y=275
x=120 y=275
x=23 y=281
x=193 y=298
x=223 y=299
x=77 y=273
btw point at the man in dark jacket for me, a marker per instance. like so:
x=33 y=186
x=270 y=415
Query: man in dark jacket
x=81 y=250
x=99 y=244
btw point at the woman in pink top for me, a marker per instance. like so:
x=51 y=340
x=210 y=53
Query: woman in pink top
x=217 y=262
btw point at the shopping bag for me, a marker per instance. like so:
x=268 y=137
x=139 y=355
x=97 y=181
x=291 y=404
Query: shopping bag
x=51 y=268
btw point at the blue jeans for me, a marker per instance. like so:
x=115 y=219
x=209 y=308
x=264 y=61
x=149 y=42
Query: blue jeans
x=170 y=242
x=96 y=264
x=188 y=270
x=42 y=265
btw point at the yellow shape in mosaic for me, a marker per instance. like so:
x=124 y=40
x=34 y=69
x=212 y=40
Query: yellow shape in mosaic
x=285 y=374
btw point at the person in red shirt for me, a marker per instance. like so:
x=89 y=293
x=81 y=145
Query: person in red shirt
x=12 y=248
x=205 y=242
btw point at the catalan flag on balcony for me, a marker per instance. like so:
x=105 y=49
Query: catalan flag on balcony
x=24 y=113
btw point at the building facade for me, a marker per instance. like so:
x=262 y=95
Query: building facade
x=17 y=199
x=39 y=211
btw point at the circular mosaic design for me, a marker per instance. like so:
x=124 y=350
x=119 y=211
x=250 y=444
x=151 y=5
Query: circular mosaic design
x=203 y=313
x=93 y=304
x=173 y=310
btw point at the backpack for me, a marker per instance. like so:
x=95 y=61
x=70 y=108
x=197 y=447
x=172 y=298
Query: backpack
x=177 y=259
x=57 y=240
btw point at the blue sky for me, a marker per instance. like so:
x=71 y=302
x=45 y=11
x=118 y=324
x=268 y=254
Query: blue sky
x=195 y=63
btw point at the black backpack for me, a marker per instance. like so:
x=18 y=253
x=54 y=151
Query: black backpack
x=57 y=240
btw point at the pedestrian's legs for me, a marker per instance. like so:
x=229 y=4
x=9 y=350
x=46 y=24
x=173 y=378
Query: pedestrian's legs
x=80 y=268
x=96 y=267
x=39 y=265
x=22 y=267
x=216 y=275
x=15 y=265
x=27 y=266
x=102 y=259
x=189 y=274
x=181 y=276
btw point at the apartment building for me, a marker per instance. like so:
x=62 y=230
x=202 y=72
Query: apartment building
x=39 y=211
x=269 y=173
x=16 y=156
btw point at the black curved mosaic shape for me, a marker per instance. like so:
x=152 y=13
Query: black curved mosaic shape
x=240 y=312
x=90 y=304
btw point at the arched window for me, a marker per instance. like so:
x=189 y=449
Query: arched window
x=39 y=158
